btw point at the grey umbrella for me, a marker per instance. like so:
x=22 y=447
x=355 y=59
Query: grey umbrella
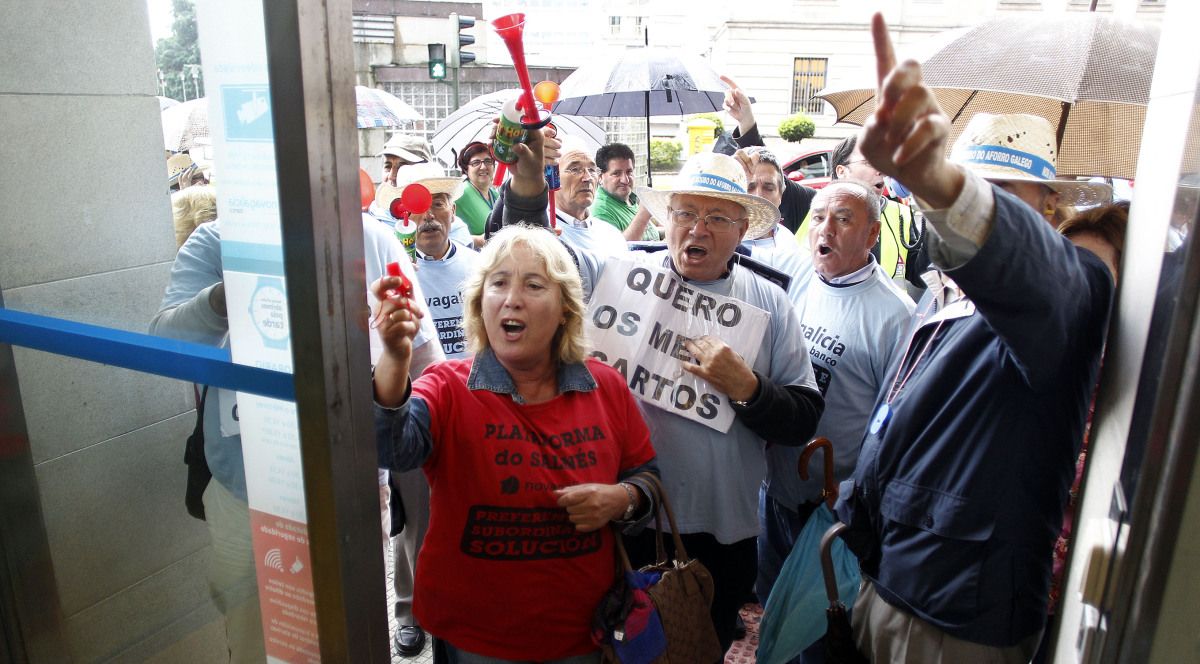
x=640 y=83
x=1088 y=74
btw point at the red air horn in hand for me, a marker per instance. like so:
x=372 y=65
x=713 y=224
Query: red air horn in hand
x=511 y=29
x=522 y=116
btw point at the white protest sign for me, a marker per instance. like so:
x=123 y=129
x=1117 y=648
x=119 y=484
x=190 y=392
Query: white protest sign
x=638 y=318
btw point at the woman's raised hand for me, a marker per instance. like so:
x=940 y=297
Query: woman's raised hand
x=397 y=320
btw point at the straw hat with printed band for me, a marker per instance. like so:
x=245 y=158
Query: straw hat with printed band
x=428 y=174
x=178 y=165
x=412 y=149
x=1020 y=147
x=718 y=176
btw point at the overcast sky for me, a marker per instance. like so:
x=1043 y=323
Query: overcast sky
x=160 y=19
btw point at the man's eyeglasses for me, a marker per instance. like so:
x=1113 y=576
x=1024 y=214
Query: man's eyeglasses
x=713 y=222
x=476 y=163
x=577 y=171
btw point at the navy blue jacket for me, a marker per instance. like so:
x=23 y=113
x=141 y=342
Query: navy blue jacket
x=955 y=503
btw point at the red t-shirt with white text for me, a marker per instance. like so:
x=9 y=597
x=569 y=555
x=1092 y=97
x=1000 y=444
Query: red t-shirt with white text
x=502 y=571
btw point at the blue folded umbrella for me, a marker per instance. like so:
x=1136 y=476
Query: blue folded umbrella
x=794 y=617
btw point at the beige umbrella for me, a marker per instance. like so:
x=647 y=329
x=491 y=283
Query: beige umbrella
x=183 y=123
x=1086 y=73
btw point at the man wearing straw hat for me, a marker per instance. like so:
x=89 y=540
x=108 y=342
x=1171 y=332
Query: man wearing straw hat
x=964 y=470
x=442 y=264
x=402 y=151
x=711 y=476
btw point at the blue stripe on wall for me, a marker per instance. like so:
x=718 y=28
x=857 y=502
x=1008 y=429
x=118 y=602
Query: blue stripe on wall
x=172 y=358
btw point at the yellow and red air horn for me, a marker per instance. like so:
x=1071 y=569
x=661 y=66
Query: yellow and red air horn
x=519 y=116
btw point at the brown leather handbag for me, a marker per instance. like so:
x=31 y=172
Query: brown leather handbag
x=683 y=596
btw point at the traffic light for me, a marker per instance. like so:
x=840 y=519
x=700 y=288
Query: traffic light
x=437 y=61
x=458 y=40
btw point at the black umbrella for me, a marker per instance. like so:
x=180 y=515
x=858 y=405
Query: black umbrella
x=640 y=83
x=839 y=639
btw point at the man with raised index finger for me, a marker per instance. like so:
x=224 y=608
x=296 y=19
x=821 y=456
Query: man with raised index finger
x=964 y=470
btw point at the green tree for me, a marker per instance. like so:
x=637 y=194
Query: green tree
x=796 y=128
x=178 y=56
x=664 y=154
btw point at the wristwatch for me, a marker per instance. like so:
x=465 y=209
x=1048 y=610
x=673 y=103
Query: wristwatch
x=628 y=515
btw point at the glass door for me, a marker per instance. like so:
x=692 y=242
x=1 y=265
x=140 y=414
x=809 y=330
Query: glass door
x=118 y=319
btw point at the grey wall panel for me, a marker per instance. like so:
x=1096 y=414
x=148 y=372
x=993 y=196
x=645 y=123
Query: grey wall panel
x=76 y=47
x=70 y=404
x=204 y=644
x=153 y=615
x=115 y=514
x=91 y=194
x=125 y=298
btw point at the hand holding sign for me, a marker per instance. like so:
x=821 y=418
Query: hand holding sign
x=724 y=369
x=906 y=135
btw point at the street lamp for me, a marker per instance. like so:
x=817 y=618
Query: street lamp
x=195 y=69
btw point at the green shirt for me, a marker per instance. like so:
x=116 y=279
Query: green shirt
x=473 y=209
x=619 y=213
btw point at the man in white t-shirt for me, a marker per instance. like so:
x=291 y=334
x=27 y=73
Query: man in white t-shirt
x=852 y=317
x=572 y=201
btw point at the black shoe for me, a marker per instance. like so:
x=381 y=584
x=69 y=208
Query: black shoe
x=739 y=628
x=409 y=641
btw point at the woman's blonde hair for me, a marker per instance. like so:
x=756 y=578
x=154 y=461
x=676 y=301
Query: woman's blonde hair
x=191 y=207
x=570 y=343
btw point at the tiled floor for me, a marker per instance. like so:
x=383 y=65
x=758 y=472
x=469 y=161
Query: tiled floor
x=742 y=652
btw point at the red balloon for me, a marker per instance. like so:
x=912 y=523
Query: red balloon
x=366 y=189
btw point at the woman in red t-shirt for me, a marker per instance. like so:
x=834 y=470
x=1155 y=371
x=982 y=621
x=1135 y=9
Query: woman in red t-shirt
x=527 y=447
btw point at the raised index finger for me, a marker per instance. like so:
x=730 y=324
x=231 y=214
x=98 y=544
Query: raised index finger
x=885 y=55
